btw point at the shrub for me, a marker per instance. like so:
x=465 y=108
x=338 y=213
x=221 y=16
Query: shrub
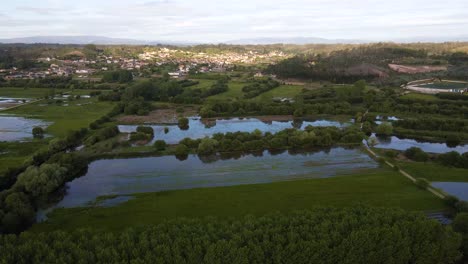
x=146 y=130
x=416 y=154
x=160 y=145
x=384 y=129
x=38 y=132
x=183 y=123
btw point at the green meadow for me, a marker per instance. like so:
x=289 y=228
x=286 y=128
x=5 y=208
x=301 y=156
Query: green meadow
x=380 y=187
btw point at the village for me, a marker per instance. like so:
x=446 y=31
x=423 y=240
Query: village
x=80 y=66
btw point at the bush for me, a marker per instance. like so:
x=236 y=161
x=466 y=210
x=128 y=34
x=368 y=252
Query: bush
x=416 y=154
x=160 y=145
x=38 y=132
x=181 y=150
x=138 y=136
x=384 y=129
x=183 y=123
x=146 y=130
x=207 y=146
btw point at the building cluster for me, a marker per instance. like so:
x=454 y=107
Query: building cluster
x=186 y=61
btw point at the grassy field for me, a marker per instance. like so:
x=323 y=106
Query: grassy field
x=13 y=154
x=235 y=91
x=24 y=92
x=434 y=172
x=420 y=96
x=380 y=187
x=78 y=114
x=289 y=91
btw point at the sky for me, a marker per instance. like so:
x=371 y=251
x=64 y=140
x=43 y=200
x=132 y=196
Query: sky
x=217 y=21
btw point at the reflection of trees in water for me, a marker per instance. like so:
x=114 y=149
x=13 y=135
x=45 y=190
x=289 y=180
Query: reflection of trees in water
x=274 y=152
x=297 y=123
x=208 y=123
x=181 y=157
x=208 y=158
x=308 y=151
x=384 y=139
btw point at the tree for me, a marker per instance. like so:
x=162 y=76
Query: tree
x=160 y=145
x=183 y=123
x=460 y=225
x=40 y=181
x=384 y=129
x=207 y=146
x=38 y=132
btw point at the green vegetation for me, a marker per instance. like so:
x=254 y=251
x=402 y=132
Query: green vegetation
x=380 y=187
x=78 y=114
x=434 y=172
x=15 y=92
x=355 y=235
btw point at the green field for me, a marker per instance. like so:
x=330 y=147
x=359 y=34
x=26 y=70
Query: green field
x=24 y=92
x=289 y=91
x=13 y=154
x=420 y=96
x=235 y=91
x=434 y=172
x=379 y=187
x=64 y=118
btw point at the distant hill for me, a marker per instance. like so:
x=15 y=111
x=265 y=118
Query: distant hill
x=82 y=40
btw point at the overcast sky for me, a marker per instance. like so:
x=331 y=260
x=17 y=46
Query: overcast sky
x=216 y=21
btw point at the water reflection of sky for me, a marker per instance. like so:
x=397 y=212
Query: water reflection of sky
x=200 y=128
x=136 y=175
x=15 y=128
x=404 y=143
x=457 y=189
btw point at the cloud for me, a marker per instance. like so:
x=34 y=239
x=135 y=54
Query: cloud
x=209 y=20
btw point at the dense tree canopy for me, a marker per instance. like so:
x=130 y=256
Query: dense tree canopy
x=327 y=235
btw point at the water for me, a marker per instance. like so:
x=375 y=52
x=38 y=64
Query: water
x=15 y=128
x=457 y=189
x=151 y=174
x=199 y=128
x=9 y=102
x=405 y=143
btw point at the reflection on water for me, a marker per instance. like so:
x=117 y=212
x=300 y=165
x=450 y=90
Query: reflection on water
x=136 y=175
x=14 y=128
x=457 y=189
x=404 y=143
x=199 y=128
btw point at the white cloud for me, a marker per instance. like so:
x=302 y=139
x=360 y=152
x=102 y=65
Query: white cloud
x=209 y=20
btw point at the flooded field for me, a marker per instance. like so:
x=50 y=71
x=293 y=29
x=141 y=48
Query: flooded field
x=6 y=102
x=199 y=128
x=15 y=128
x=457 y=189
x=404 y=143
x=137 y=175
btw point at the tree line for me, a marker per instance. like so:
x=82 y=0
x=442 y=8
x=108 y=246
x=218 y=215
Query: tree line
x=322 y=235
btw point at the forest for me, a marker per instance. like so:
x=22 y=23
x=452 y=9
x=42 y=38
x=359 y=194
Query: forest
x=321 y=235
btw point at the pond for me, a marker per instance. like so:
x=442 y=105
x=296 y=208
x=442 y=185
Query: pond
x=199 y=128
x=405 y=143
x=6 y=102
x=457 y=189
x=152 y=174
x=15 y=128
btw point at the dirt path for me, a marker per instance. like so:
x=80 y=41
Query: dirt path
x=404 y=173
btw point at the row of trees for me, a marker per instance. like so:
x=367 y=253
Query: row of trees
x=450 y=159
x=258 y=87
x=309 y=138
x=322 y=235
